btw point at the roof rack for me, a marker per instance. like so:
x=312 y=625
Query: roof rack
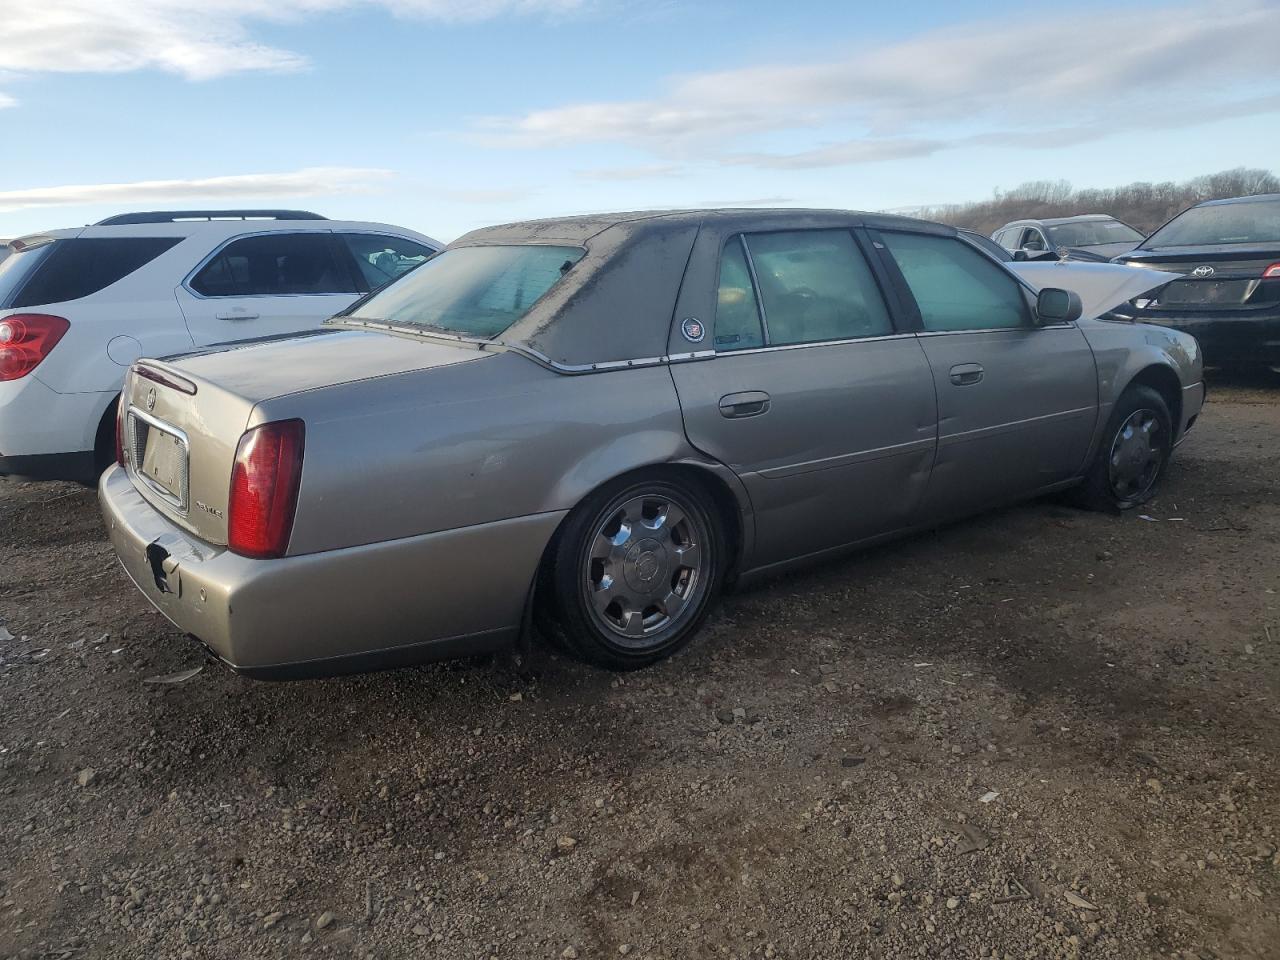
x=174 y=216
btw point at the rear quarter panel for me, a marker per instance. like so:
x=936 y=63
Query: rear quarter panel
x=487 y=440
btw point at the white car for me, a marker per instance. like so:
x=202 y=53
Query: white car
x=78 y=306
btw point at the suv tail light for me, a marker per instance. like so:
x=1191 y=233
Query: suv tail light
x=264 y=489
x=1271 y=271
x=25 y=340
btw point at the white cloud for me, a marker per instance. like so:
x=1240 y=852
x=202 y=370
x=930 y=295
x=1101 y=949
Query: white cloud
x=310 y=182
x=649 y=171
x=483 y=196
x=195 y=39
x=1056 y=68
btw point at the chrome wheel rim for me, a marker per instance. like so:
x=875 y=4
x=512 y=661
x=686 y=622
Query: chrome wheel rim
x=645 y=567
x=1136 y=455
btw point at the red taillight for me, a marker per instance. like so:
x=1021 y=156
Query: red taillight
x=25 y=340
x=1271 y=271
x=264 y=489
x=121 y=404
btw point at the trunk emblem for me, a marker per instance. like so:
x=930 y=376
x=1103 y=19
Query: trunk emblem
x=1203 y=271
x=151 y=399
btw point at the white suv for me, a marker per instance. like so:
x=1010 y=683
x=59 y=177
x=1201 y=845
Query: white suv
x=78 y=306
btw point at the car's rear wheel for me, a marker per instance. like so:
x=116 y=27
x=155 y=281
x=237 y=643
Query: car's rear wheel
x=634 y=570
x=1134 y=452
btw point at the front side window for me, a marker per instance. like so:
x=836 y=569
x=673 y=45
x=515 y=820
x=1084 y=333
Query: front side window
x=382 y=258
x=737 y=312
x=473 y=291
x=1034 y=241
x=275 y=264
x=956 y=287
x=815 y=286
x=73 y=268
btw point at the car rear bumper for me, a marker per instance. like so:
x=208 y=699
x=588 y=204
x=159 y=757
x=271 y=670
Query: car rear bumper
x=1232 y=338
x=48 y=435
x=441 y=595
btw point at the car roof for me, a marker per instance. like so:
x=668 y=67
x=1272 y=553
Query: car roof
x=615 y=303
x=1256 y=198
x=1055 y=221
x=215 y=231
x=579 y=229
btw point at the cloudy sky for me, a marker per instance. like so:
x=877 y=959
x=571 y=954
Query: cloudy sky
x=443 y=115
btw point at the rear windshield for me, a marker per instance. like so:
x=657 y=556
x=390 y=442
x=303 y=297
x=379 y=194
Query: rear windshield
x=1252 y=221
x=18 y=265
x=71 y=269
x=1090 y=232
x=473 y=291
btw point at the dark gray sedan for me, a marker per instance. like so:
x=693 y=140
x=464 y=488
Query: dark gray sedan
x=598 y=421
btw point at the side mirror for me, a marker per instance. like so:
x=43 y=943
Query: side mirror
x=1020 y=256
x=1054 y=305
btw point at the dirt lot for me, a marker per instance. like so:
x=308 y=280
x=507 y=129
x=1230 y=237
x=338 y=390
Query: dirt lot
x=1091 y=701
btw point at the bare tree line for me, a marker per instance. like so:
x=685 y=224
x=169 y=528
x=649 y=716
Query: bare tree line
x=1144 y=205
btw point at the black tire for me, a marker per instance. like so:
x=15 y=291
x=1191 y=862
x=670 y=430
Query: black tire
x=1125 y=473
x=104 y=446
x=599 y=594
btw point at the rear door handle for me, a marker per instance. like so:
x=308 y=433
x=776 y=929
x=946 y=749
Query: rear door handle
x=239 y=313
x=750 y=403
x=963 y=374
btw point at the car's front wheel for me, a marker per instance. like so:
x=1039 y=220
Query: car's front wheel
x=1134 y=452
x=634 y=570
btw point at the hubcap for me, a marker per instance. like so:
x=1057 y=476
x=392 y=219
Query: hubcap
x=644 y=566
x=1136 y=454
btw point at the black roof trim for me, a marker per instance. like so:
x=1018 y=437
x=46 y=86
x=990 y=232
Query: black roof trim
x=173 y=216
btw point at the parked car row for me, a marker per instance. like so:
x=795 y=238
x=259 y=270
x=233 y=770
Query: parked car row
x=596 y=423
x=1225 y=253
x=154 y=284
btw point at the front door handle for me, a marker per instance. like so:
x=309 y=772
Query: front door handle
x=750 y=403
x=239 y=313
x=963 y=374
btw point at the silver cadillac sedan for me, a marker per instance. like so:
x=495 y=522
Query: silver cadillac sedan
x=597 y=422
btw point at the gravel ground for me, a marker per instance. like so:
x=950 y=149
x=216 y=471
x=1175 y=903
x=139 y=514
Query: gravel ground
x=1039 y=733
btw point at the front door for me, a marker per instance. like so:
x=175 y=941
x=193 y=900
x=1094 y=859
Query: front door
x=813 y=397
x=1017 y=401
x=268 y=284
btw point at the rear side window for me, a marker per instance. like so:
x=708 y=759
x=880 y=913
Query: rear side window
x=275 y=264
x=382 y=258
x=815 y=286
x=75 y=268
x=737 y=313
x=956 y=287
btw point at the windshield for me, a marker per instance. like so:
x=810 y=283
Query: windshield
x=473 y=291
x=1252 y=221
x=1088 y=233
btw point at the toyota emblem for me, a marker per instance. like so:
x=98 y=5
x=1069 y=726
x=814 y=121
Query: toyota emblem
x=1203 y=271
x=151 y=399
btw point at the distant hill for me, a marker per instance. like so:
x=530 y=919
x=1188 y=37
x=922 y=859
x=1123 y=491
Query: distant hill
x=1144 y=205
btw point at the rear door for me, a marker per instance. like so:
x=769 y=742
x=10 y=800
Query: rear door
x=1017 y=401
x=266 y=284
x=811 y=394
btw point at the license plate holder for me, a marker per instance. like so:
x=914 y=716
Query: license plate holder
x=164 y=462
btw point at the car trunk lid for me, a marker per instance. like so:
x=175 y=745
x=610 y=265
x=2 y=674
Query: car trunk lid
x=183 y=417
x=1213 y=278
